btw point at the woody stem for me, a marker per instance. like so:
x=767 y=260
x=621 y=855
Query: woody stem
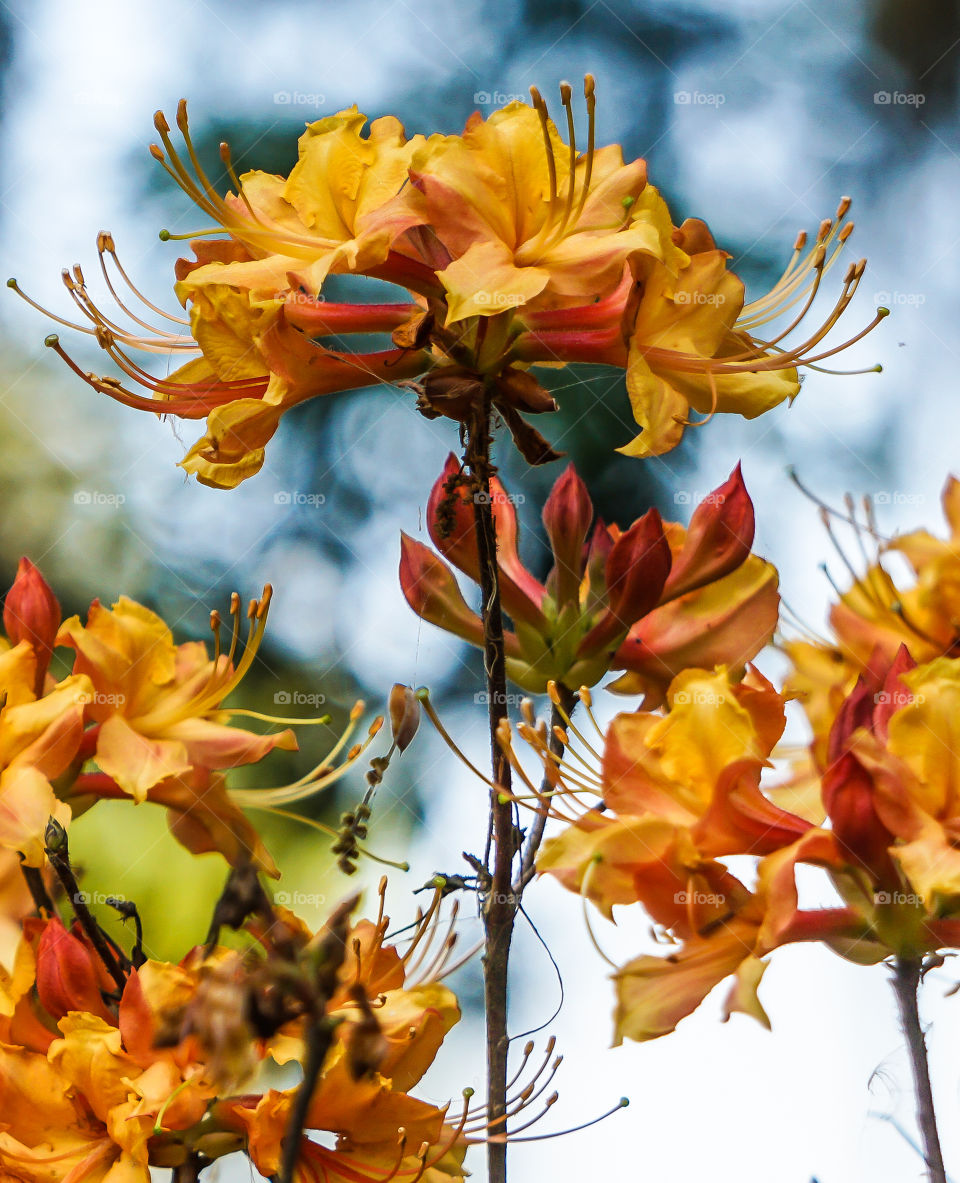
x=318 y=1038
x=501 y=905
x=907 y=973
x=189 y=1171
x=60 y=861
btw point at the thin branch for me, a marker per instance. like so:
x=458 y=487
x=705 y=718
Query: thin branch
x=528 y=866
x=906 y=985
x=58 y=853
x=500 y=908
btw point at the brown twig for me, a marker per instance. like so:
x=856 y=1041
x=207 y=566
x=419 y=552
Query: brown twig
x=319 y=1036
x=906 y=984
x=501 y=905
x=38 y=889
x=58 y=852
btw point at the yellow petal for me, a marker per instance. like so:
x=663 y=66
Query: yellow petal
x=136 y=762
x=485 y=281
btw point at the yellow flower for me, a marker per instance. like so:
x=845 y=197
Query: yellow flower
x=528 y=222
x=332 y=214
x=686 y=352
x=158 y=705
x=515 y=249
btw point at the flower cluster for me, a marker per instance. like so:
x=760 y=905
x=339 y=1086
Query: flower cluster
x=139 y=718
x=512 y=250
x=681 y=790
x=109 y=1070
x=651 y=600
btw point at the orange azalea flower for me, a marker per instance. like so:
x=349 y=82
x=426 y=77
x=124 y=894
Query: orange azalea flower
x=516 y=249
x=84 y=1092
x=157 y=728
x=877 y=616
x=157 y=704
x=652 y=599
x=332 y=214
x=526 y=221
x=681 y=791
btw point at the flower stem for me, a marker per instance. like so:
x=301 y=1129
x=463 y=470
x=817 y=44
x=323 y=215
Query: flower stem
x=906 y=985
x=319 y=1037
x=501 y=908
x=528 y=865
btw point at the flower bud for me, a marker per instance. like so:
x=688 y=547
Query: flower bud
x=31 y=613
x=404 y=715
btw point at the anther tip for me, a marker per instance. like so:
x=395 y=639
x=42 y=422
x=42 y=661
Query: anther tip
x=566 y=93
x=624 y=1102
x=878 y=368
x=881 y=311
x=51 y=341
x=589 y=86
x=182 y=114
x=160 y=122
x=164 y=235
x=12 y=283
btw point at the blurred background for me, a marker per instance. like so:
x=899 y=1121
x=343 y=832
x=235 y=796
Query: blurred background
x=755 y=115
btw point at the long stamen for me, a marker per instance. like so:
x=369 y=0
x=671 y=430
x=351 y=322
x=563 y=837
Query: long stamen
x=105 y=246
x=555 y=698
x=566 y=95
x=541 y=109
x=590 y=94
x=110 y=248
x=424 y=696
x=584 y=899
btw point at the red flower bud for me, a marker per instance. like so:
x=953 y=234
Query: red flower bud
x=452 y=525
x=567 y=516
x=718 y=538
x=636 y=571
x=68 y=975
x=31 y=613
